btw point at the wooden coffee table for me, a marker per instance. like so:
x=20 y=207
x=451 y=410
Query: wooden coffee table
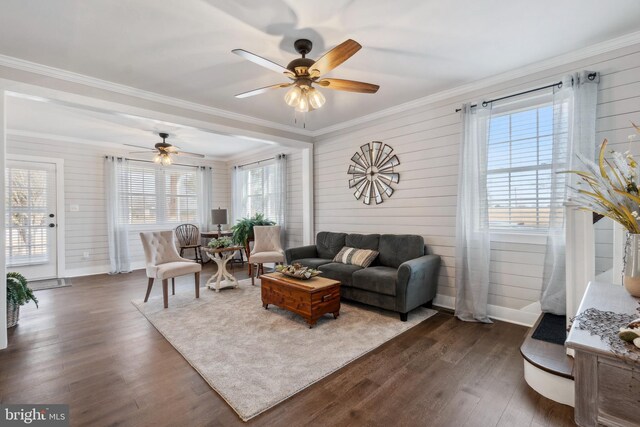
x=311 y=298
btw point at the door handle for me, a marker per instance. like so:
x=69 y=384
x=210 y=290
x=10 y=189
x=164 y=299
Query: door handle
x=52 y=225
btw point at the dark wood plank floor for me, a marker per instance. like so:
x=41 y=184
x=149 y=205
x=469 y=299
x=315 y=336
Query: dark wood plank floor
x=89 y=347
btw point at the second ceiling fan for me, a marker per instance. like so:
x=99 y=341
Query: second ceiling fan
x=305 y=72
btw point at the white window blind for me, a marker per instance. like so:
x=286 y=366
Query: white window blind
x=519 y=168
x=259 y=191
x=155 y=195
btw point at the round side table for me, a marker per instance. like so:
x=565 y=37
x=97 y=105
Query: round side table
x=222 y=278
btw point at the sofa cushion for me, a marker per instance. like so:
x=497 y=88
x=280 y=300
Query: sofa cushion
x=378 y=279
x=311 y=262
x=362 y=241
x=353 y=256
x=397 y=248
x=340 y=272
x=329 y=244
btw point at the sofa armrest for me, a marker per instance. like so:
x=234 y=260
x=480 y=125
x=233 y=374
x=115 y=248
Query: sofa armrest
x=417 y=282
x=292 y=254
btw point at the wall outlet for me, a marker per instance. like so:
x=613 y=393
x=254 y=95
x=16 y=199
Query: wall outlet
x=86 y=255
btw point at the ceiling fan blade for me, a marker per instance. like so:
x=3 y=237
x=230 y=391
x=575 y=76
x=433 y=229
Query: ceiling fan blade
x=186 y=153
x=142 y=152
x=262 y=90
x=348 y=85
x=137 y=146
x=335 y=57
x=263 y=62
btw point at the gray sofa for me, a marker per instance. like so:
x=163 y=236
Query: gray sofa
x=401 y=278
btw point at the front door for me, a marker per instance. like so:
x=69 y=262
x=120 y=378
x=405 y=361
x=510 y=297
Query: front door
x=31 y=219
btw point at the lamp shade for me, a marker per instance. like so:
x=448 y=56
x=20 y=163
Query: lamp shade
x=218 y=216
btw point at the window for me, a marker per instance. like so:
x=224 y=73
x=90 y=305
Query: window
x=154 y=195
x=259 y=191
x=519 y=168
x=27 y=215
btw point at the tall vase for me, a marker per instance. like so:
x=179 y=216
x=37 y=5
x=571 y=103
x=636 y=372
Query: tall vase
x=631 y=275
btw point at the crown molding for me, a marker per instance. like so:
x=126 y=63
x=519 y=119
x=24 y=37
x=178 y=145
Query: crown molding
x=560 y=60
x=30 y=135
x=70 y=76
x=577 y=55
x=236 y=159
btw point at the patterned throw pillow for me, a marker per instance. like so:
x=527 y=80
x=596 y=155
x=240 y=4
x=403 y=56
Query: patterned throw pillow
x=359 y=257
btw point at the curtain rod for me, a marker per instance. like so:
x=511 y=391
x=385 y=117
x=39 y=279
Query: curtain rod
x=150 y=161
x=590 y=76
x=260 y=161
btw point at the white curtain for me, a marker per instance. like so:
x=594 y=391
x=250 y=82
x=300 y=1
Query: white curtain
x=237 y=195
x=117 y=207
x=473 y=243
x=205 y=201
x=574 y=131
x=280 y=192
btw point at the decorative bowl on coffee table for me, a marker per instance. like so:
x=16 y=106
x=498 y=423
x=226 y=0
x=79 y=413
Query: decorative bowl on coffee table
x=297 y=271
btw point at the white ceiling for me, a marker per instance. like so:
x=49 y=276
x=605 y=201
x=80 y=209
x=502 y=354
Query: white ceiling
x=40 y=117
x=412 y=48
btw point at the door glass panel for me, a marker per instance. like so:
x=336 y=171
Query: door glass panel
x=26 y=219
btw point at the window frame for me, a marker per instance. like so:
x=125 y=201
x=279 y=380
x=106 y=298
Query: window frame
x=161 y=195
x=266 y=196
x=527 y=234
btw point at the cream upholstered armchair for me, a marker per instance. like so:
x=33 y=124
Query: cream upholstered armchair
x=164 y=262
x=266 y=247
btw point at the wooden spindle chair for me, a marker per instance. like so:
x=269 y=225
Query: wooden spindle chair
x=188 y=236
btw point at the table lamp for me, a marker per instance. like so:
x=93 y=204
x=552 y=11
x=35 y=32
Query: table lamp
x=219 y=216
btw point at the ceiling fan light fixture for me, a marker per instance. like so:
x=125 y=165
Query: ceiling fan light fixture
x=316 y=98
x=303 y=105
x=163 y=159
x=293 y=96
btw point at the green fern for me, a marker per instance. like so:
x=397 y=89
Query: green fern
x=17 y=290
x=243 y=229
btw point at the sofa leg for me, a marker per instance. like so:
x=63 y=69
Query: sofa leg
x=428 y=304
x=403 y=317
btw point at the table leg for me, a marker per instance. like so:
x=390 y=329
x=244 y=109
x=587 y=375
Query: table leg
x=230 y=278
x=222 y=278
x=215 y=277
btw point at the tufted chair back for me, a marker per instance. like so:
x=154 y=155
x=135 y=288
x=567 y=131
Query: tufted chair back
x=267 y=239
x=160 y=247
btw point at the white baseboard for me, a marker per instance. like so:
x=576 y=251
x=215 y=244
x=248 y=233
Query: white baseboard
x=98 y=269
x=519 y=317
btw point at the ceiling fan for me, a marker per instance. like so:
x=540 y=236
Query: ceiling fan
x=164 y=151
x=305 y=72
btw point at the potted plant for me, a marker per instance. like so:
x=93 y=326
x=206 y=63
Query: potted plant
x=243 y=230
x=18 y=293
x=221 y=242
x=611 y=188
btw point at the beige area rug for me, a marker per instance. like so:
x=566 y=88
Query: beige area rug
x=256 y=358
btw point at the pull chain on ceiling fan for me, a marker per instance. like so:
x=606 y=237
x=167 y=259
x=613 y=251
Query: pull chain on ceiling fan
x=305 y=72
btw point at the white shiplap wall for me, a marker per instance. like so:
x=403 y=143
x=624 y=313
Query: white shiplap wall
x=426 y=140
x=86 y=230
x=294 y=184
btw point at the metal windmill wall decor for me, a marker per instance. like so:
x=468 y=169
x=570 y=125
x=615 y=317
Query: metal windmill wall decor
x=372 y=172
